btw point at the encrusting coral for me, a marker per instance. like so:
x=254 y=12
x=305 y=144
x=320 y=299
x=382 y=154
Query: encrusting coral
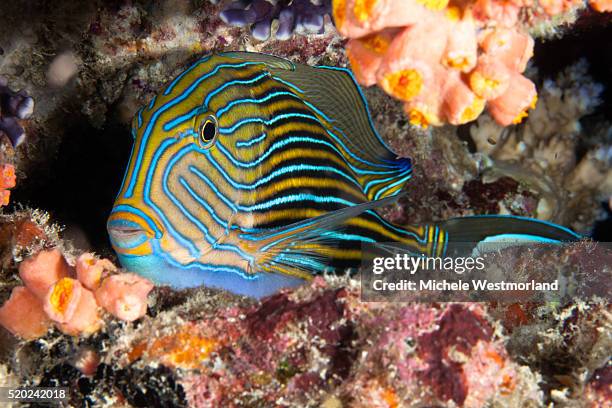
x=447 y=60
x=54 y=292
x=293 y=16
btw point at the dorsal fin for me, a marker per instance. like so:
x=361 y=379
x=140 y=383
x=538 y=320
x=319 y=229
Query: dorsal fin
x=337 y=96
x=270 y=60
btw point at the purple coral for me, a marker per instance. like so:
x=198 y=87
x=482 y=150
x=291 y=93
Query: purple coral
x=292 y=15
x=14 y=106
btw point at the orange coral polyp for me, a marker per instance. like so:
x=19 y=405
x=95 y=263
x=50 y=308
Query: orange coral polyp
x=376 y=43
x=418 y=118
x=511 y=107
x=339 y=12
x=61 y=295
x=62 y=300
x=490 y=79
x=472 y=111
x=521 y=116
x=601 y=6
x=404 y=84
x=363 y=9
x=459 y=63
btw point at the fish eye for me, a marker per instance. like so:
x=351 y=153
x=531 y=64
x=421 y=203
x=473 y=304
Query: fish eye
x=208 y=131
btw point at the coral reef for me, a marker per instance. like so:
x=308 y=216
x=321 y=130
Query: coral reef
x=542 y=152
x=51 y=294
x=475 y=50
x=320 y=345
x=292 y=15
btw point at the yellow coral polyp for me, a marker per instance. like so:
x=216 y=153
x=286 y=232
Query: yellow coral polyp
x=405 y=84
x=376 y=43
x=453 y=13
x=418 y=118
x=62 y=292
x=473 y=111
x=363 y=9
x=481 y=84
x=435 y=5
x=519 y=118
x=459 y=63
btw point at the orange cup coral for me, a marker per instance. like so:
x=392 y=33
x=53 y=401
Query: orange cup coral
x=91 y=270
x=73 y=306
x=447 y=61
x=23 y=315
x=42 y=270
x=124 y=295
x=51 y=294
x=601 y=5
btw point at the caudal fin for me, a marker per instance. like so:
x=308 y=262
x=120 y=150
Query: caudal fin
x=499 y=228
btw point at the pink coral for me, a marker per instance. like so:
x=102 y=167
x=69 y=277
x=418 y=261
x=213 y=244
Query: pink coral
x=124 y=295
x=42 y=270
x=70 y=303
x=447 y=60
x=73 y=307
x=511 y=107
x=23 y=315
x=91 y=270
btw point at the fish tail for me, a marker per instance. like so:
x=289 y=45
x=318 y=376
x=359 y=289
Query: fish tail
x=505 y=229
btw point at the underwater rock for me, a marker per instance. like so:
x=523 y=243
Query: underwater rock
x=598 y=391
x=293 y=16
x=319 y=340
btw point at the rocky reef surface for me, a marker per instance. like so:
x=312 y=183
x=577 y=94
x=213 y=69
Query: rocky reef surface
x=74 y=74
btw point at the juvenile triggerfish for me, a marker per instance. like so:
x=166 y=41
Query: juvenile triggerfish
x=252 y=173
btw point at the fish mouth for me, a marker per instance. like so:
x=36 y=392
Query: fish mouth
x=126 y=234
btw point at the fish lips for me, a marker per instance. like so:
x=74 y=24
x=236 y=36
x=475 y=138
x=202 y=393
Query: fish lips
x=125 y=234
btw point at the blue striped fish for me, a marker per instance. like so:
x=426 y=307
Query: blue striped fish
x=251 y=173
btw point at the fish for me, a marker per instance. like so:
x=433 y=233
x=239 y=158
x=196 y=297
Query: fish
x=251 y=173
